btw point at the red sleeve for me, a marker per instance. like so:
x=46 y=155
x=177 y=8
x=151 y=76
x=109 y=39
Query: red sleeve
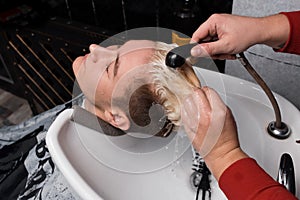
x=293 y=43
x=245 y=180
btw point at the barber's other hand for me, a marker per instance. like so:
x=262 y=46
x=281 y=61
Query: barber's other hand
x=211 y=127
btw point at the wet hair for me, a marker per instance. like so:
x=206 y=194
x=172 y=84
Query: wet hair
x=165 y=93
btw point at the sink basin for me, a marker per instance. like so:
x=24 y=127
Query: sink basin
x=98 y=166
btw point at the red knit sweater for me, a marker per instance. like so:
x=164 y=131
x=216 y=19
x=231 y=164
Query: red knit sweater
x=244 y=179
x=293 y=43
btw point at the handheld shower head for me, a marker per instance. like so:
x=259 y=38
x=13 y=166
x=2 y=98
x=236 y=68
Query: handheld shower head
x=177 y=56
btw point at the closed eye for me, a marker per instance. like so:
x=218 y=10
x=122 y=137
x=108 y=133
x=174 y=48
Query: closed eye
x=115 y=67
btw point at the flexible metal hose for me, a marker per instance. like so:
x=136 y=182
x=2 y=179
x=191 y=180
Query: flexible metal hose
x=244 y=61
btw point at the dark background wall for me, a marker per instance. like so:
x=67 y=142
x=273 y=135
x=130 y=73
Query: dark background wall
x=124 y=14
x=39 y=39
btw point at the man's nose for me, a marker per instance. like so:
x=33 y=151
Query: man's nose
x=98 y=52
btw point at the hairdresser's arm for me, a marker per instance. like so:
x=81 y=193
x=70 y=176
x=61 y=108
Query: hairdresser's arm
x=239 y=176
x=234 y=34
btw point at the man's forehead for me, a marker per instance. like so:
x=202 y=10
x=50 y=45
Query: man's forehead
x=136 y=45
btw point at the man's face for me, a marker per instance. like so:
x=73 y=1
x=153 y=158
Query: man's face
x=99 y=71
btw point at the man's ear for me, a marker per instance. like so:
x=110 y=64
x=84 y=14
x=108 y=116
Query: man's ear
x=118 y=119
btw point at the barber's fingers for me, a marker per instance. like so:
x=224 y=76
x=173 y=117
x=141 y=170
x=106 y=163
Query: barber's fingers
x=205 y=32
x=220 y=48
x=214 y=99
x=217 y=122
x=202 y=108
x=195 y=113
x=203 y=117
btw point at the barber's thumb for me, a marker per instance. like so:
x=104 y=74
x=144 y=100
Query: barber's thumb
x=200 y=50
x=208 y=49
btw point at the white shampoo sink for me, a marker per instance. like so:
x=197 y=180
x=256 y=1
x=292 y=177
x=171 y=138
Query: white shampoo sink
x=98 y=166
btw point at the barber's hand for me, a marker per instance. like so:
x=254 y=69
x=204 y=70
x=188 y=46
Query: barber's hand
x=211 y=127
x=233 y=34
